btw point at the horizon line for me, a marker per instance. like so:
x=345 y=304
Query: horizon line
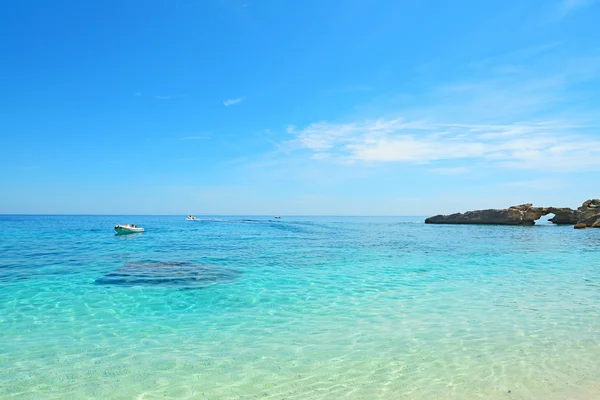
x=202 y=215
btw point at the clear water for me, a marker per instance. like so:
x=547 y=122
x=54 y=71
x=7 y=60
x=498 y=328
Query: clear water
x=300 y=308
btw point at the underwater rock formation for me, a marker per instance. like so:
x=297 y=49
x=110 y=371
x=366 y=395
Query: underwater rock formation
x=177 y=274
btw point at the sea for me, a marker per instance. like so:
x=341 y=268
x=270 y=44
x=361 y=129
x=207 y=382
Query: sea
x=296 y=308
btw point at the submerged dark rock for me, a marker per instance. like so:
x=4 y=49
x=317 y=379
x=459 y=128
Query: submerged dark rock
x=524 y=214
x=177 y=274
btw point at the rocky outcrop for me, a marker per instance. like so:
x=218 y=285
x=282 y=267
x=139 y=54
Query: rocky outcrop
x=589 y=221
x=589 y=208
x=589 y=214
x=524 y=214
x=515 y=215
x=562 y=216
x=580 y=226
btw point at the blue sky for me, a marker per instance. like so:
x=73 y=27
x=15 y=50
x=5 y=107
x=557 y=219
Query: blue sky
x=354 y=107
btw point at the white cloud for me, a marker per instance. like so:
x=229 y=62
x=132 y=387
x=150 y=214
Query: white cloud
x=519 y=121
x=231 y=102
x=169 y=97
x=543 y=145
x=413 y=149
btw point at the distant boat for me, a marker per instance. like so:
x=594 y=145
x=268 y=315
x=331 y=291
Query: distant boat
x=191 y=218
x=277 y=217
x=125 y=229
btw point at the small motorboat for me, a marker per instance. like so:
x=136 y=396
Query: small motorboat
x=191 y=218
x=125 y=229
x=277 y=217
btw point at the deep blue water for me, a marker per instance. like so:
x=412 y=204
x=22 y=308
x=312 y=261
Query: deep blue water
x=297 y=308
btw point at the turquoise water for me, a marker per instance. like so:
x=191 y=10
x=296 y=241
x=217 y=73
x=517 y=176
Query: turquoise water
x=300 y=308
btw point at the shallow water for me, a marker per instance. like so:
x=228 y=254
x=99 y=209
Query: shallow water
x=297 y=308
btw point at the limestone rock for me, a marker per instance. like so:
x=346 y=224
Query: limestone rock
x=580 y=226
x=522 y=207
x=589 y=208
x=589 y=212
x=525 y=214
x=596 y=224
x=511 y=216
x=563 y=216
x=589 y=221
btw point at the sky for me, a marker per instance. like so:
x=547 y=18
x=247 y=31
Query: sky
x=313 y=107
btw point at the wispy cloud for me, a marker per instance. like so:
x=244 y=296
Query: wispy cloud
x=571 y=5
x=452 y=170
x=351 y=89
x=536 y=184
x=195 y=137
x=537 y=118
x=552 y=87
x=169 y=97
x=231 y=102
x=517 y=55
x=564 y=8
x=186 y=159
x=543 y=146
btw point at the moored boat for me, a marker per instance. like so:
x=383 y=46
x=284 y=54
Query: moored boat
x=127 y=228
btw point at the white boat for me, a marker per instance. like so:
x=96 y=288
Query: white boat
x=191 y=218
x=125 y=229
